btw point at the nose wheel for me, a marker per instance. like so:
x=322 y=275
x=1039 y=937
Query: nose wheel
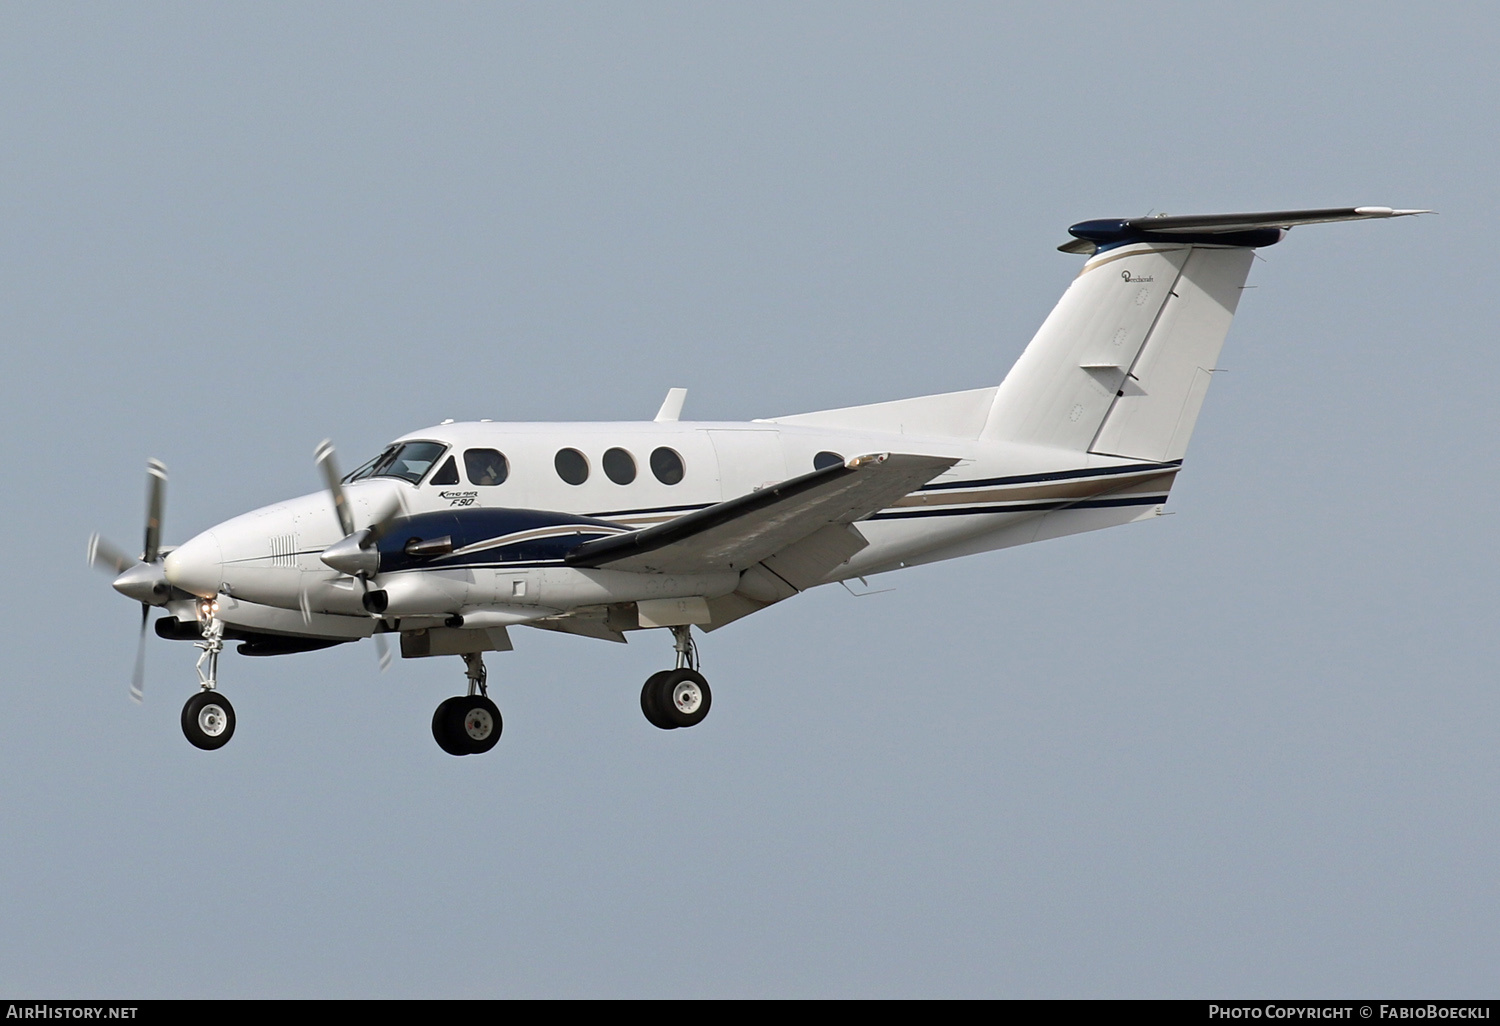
x=208 y=720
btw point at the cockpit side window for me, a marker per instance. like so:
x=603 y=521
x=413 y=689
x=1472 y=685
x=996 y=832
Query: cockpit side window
x=407 y=461
x=486 y=466
x=448 y=475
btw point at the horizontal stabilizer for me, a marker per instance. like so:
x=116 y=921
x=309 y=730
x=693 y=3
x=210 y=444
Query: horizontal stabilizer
x=740 y=532
x=1262 y=229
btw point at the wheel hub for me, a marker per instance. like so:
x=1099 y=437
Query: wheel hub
x=478 y=724
x=211 y=720
x=686 y=697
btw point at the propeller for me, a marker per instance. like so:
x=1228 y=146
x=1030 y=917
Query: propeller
x=356 y=554
x=141 y=579
x=328 y=463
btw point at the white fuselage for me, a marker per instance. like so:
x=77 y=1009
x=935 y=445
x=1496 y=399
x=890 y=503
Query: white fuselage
x=267 y=561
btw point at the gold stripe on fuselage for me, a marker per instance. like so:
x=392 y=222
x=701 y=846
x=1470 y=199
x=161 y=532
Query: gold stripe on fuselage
x=1060 y=491
x=1144 y=482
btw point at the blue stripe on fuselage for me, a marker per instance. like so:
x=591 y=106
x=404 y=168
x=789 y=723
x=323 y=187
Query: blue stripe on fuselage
x=470 y=527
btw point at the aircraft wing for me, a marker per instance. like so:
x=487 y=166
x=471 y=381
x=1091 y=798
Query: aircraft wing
x=739 y=533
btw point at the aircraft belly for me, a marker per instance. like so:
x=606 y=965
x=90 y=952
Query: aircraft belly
x=907 y=542
x=569 y=588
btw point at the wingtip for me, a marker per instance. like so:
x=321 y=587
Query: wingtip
x=1389 y=212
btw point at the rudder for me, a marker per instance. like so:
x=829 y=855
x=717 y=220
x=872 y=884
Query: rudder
x=1152 y=416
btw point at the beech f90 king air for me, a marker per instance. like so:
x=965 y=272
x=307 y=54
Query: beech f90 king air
x=456 y=533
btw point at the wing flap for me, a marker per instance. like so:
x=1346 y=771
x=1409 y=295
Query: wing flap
x=738 y=533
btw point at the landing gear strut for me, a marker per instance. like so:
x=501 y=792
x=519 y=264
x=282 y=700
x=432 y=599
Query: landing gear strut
x=468 y=724
x=208 y=718
x=680 y=697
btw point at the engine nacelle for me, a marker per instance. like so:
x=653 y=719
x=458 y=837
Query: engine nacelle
x=448 y=592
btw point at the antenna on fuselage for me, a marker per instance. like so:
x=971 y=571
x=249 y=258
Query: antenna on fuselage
x=671 y=407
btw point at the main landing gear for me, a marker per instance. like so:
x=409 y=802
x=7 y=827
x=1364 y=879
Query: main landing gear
x=468 y=724
x=680 y=697
x=208 y=718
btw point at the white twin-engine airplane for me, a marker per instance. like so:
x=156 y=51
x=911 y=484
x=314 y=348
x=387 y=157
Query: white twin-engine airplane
x=456 y=533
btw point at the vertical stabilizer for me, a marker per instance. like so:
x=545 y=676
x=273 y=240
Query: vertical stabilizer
x=1062 y=388
x=1121 y=365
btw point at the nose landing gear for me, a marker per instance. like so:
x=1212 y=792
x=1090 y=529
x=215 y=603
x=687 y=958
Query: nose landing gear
x=680 y=697
x=208 y=718
x=468 y=724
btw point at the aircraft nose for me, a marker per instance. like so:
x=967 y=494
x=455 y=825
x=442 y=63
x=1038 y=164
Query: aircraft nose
x=197 y=566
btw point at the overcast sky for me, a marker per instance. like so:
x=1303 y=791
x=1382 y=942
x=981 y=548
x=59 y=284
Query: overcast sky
x=1249 y=749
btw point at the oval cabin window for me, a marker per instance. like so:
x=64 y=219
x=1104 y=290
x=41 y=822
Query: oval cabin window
x=572 y=466
x=666 y=464
x=619 y=466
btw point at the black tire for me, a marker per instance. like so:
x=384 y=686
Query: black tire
x=208 y=720
x=685 y=698
x=652 y=698
x=474 y=724
x=441 y=732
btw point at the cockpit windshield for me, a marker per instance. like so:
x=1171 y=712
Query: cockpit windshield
x=407 y=460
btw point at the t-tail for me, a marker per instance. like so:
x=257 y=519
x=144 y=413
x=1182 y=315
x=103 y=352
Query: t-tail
x=1121 y=365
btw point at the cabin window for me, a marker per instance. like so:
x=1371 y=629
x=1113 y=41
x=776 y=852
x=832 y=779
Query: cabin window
x=448 y=475
x=619 y=466
x=666 y=464
x=826 y=459
x=487 y=466
x=572 y=466
x=407 y=461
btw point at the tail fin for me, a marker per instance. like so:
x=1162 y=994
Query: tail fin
x=1121 y=365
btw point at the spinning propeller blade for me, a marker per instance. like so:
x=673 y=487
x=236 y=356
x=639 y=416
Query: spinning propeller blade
x=104 y=555
x=323 y=454
x=138 y=677
x=358 y=551
x=146 y=582
x=156 y=499
x=382 y=523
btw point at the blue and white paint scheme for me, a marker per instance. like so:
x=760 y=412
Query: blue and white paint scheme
x=459 y=531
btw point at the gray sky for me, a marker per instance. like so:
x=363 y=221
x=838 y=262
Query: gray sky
x=1247 y=749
